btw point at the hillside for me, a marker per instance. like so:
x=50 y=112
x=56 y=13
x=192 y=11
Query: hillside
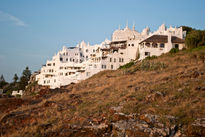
x=162 y=96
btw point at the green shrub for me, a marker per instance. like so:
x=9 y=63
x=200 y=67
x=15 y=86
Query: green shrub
x=174 y=50
x=128 y=65
x=18 y=96
x=195 y=38
x=151 y=57
x=149 y=66
x=197 y=48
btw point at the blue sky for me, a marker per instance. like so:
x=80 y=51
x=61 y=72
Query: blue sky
x=32 y=31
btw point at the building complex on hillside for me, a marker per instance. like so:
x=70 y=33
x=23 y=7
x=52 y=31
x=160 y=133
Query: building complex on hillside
x=73 y=64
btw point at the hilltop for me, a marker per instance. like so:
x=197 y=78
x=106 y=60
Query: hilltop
x=159 y=96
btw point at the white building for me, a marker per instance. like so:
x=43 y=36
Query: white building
x=78 y=63
x=71 y=65
x=162 y=41
x=18 y=92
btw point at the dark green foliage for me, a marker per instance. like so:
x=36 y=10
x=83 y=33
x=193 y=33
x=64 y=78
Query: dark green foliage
x=197 y=49
x=2 y=78
x=16 y=85
x=2 y=82
x=151 y=57
x=15 y=79
x=174 y=50
x=194 y=38
x=128 y=65
x=24 y=78
x=187 y=29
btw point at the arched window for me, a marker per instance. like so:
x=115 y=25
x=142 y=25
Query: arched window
x=154 y=45
x=147 y=44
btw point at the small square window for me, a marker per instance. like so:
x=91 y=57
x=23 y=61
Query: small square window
x=162 y=45
x=147 y=53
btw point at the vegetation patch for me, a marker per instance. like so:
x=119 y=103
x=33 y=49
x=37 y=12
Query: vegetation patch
x=150 y=57
x=151 y=65
x=128 y=65
x=174 y=50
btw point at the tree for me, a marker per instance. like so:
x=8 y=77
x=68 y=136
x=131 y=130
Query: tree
x=24 y=78
x=2 y=82
x=2 y=78
x=195 y=38
x=15 y=79
x=187 y=29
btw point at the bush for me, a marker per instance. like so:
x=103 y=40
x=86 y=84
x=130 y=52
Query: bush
x=151 y=57
x=150 y=66
x=128 y=65
x=174 y=50
x=195 y=38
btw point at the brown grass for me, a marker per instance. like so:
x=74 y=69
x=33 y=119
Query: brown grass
x=178 y=82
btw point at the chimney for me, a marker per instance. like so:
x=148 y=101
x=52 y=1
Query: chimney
x=169 y=38
x=169 y=46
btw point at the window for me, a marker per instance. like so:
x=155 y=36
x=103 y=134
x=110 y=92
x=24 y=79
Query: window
x=87 y=73
x=154 y=45
x=111 y=66
x=66 y=53
x=133 y=45
x=86 y=50
x=110 y=59
x=54 y=80
x=53 y=64
x=93 y=50
x=103 y=66
x=119 y=59
x=48 y=64
x=147 y=44
x=70 y=60
x=122 y=60
x=114 y=59
x=66 y=59
x=147 y=53
x=61 y=59
x=162 y=45
x=176 y=46
x=128 y=44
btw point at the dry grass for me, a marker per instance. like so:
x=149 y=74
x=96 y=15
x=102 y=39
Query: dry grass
x=178 y=77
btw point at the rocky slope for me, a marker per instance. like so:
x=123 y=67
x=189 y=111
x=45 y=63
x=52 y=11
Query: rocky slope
x=162 y=96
